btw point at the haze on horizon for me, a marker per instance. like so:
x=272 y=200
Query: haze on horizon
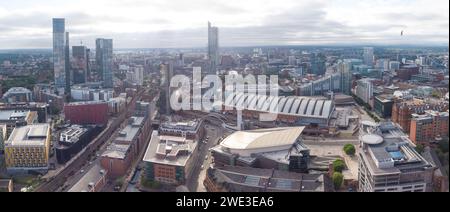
x=183 y=23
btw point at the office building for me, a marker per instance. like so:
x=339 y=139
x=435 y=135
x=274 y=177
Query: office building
x=86 y=93
x=136 y=75
x=73 y=139
x=429 y=128
x=17 y=95
x=59 y=52
x=170 y=159
x=278 y=148
x=406 y=72
x=27 y=149
x=19 y=117
x=318 y=64
x=104 y=59
x=364 y=90
x=80 y=64
x=117 y=159
x=388 y=161
x=345 y=71
x=189 y=129
x=83 y=113
x=68 y=75
x=127 y=146
x=338 y=82
x=394 y=65
x=213 y=48
x=383 y=105
x=382 y=64
x=368 y=56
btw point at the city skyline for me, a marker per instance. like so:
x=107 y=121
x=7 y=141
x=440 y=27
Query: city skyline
x=180 y=24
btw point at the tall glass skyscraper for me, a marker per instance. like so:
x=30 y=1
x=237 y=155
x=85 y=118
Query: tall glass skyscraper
x=80 y=66
x=68 y=73
x=59 y=52
x=104 y=57
x=213 y=47
x=368 y=56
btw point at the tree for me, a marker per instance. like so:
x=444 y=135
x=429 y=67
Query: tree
x=349 y=149
x=338 y=179
x=420 y=148
x=338 y=165
x=443 y=145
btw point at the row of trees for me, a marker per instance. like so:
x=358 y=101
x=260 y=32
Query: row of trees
x=339 y=166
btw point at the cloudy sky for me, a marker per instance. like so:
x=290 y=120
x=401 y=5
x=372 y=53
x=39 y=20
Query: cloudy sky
x=182 y=23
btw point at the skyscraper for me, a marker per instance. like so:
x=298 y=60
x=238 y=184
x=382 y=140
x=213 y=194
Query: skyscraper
x=346 y=77
x=104 y=57
x=213 y=47
x=318 y=66
x=80 y=65
x=59 y=52
x=68 y=72
x=368 y=56
x=364 y=90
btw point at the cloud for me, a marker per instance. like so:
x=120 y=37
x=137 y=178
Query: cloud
x=180 y=23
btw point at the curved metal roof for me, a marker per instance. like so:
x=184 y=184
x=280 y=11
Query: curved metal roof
x=296 y=106
x=319 y=106
x=288 y=105
x=327 y=107
x=261 y=101
x=311 y=105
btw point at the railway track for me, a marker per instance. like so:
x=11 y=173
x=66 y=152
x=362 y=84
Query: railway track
x=59 y=179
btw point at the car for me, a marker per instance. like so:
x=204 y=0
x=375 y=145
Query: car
x=82 y=171
x=202 y=167
x=206 y=157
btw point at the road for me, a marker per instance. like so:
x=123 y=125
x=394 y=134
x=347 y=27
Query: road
x=195 y=182
x=80 y=161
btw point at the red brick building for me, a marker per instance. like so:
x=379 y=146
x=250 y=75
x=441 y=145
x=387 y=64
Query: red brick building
x=402 y=111
x=86 y=113
x=117 y=160
x=406 y=72
x=426 y=128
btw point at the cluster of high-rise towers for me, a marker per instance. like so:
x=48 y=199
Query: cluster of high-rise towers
x=68 y=73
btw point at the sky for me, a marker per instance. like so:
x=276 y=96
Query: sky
x=183 y=23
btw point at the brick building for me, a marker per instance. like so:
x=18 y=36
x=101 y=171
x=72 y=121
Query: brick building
x=87 y=113
x=402 y=110
x=429 y=127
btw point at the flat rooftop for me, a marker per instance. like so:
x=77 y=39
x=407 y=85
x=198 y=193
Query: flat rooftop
x=253 y=179
x=29 y=135
x=128 y=133
x=155 y=153
x=72 y=134
x=9 y=115
x=393 y=154
x=117 y=151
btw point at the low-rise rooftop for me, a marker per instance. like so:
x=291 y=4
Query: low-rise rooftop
x=169 y=150
x=29 y=135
